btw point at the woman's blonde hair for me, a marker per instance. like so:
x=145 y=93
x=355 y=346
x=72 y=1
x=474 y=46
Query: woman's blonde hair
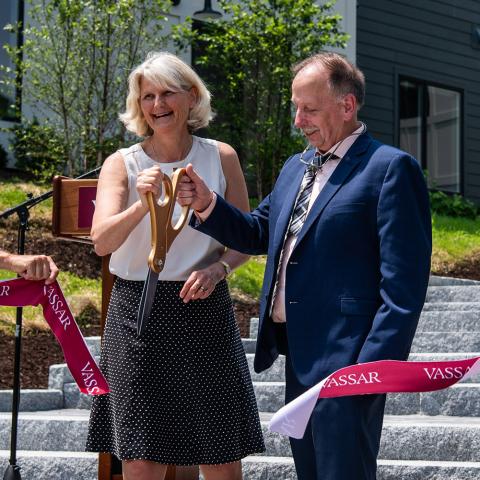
x=167 y=71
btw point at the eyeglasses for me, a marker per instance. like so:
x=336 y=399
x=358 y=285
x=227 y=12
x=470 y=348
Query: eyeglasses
x=318 y=160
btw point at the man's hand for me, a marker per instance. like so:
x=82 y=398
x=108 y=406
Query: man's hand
x=32 y=267
x=193 y=191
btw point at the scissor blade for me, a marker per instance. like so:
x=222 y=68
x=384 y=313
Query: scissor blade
x=146 y=301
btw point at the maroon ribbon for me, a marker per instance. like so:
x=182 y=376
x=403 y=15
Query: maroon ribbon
x=21 y=293
x=383 y=376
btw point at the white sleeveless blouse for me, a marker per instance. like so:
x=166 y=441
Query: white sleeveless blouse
x=191 y=250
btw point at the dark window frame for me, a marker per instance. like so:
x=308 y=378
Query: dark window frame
x=425 y=82
x=18 y=93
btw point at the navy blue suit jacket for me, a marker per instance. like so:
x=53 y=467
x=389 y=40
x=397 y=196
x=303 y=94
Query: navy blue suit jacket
x=356 y=280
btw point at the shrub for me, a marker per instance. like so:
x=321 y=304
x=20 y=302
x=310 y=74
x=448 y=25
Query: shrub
x=452 y=205
x=39 y=150
x=246 y=58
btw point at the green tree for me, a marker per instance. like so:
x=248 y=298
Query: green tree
x=75 y=62
x=246 y=57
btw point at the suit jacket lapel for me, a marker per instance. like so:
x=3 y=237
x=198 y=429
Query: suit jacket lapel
x=348 y=163
x=288 y=202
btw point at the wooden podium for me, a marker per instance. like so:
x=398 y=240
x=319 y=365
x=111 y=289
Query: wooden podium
x=73 y=207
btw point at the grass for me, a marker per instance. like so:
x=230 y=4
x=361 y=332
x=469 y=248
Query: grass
x=14 y=191
x=454 y=240
x=247 y=279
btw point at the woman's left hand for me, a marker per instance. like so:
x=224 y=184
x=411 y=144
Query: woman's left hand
x=200 y=284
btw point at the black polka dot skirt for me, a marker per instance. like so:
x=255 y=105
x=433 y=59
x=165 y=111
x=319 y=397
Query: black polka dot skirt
x=181 y=394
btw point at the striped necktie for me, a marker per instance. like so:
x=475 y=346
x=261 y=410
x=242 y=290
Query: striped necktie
x=303 y=199
x=300 y=210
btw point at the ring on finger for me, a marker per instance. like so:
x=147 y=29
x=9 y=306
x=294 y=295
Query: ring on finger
x=203 y=289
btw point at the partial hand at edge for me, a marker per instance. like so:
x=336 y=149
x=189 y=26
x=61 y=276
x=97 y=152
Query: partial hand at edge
x=34 y=267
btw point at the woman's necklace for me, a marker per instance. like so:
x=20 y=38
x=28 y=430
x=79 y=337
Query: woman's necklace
x=184 y=152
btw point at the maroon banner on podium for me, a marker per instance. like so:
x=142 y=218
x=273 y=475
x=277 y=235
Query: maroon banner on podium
x=86 y=206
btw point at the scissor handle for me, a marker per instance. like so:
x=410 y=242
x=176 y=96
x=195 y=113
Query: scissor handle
x=163 y=233
x=174 y=230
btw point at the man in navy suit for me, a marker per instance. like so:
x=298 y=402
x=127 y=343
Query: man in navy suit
x=347 y=230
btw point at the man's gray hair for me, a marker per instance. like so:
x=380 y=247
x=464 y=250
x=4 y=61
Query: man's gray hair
x=344 y=77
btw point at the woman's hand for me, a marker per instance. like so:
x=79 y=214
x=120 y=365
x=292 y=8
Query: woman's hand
x=149 y=180
x=200 y=284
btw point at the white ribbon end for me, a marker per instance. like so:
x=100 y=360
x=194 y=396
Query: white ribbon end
x=292 y=419
x=473 y=372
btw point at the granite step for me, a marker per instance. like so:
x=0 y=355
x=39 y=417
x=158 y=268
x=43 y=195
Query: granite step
x=453 y=293
x=412 y=437
x=276 y=373
x=426 y=342
x=33 y=399
x=452 y=306
x=93 y=344
x=73 y=398
x=451 y=321
x=60 y=374
x=423 y=342
x=438 y=281
x=83 y=466
x=55 y=430
x=282 y=468
x=45 y=465
x=249 y=344
x=461 y=400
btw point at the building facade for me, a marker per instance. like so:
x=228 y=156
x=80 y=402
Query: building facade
x=422 y=65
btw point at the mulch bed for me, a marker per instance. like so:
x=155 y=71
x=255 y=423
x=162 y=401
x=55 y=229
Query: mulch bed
x=468 y=268
x=39 y=351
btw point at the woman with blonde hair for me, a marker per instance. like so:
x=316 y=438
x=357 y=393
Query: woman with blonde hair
x=181 y=393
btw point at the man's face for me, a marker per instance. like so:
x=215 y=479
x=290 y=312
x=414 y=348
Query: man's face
x=320 y=114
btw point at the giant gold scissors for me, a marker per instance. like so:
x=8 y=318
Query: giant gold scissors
x=163 y=235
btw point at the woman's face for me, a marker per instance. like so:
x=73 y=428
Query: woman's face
x=163 y=109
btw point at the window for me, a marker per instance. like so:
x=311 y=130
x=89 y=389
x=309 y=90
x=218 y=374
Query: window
x=430 y=130
x=8 y=15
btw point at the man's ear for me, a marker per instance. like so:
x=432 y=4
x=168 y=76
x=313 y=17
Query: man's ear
x=349 y=105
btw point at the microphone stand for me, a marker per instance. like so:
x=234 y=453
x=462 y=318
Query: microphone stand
x=22 y=210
